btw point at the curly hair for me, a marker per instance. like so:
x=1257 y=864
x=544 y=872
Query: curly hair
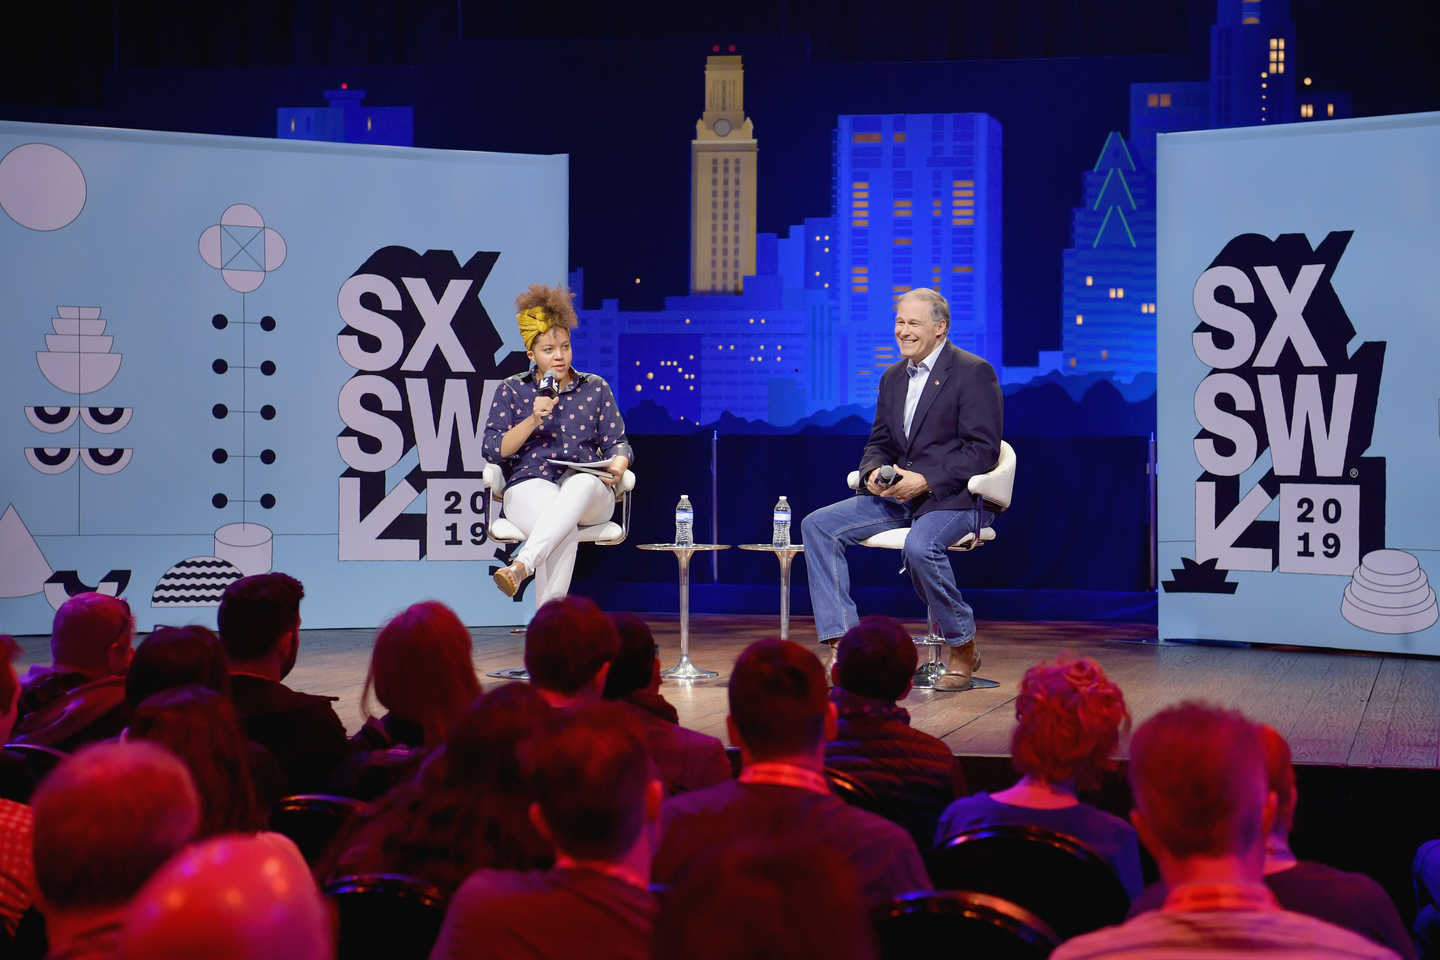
x=1070 y=718
x=555 y=301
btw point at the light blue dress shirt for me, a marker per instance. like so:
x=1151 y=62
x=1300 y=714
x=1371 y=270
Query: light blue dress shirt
x=918 y=372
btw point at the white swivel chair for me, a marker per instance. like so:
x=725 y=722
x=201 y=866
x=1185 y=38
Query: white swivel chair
x=993 y=490
x=606 y=534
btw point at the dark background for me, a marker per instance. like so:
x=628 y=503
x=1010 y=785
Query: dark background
x=618 y=87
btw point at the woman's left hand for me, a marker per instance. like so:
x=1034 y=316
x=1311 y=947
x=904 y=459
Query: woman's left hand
x=617 y=472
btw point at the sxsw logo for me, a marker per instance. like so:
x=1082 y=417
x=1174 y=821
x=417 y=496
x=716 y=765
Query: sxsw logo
x=423 y=349
x=1282 y=382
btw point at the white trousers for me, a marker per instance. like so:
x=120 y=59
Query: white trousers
x=550 y=515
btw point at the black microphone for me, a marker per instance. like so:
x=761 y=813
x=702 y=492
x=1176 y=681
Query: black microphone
x=549 y=386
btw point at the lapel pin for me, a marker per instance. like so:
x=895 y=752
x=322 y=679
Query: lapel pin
x=937 y=383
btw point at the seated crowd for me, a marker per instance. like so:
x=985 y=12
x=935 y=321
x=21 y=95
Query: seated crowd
x=573 y=816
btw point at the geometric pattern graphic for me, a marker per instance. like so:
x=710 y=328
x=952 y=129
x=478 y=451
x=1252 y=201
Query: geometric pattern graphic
x=242 y=248
x=196 y=582
x=1390 y=594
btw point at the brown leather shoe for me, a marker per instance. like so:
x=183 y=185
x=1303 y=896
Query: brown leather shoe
x=508 y=579
x=960 y=665
x=828 y=656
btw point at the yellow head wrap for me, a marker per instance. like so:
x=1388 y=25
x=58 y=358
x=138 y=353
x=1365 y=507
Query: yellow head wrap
x=533 y=323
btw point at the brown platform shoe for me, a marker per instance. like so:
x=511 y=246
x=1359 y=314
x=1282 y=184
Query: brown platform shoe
x=508 y=579
x=960 y=665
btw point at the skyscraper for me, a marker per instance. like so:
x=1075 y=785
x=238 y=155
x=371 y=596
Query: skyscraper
x=1252 y=59
x=1109 y=270
x=722 y=184
x=917 y=204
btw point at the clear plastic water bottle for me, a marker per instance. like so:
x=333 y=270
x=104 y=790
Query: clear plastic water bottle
x=684 y=522
x=782 y=524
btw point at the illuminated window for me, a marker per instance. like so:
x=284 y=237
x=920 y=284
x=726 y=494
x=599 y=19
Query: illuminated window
x=865 y=138
x=1164 y=99
x=1079 y=319
x=1329 y=109
x=900 y=137
x=899 y=242
x=1277 y=55
x=1104 y=354
x=1112 y=293
x=859 y=269
x=962 y=269
x=1153 y=100
x=1072 y=361
x=1089 y=281
x=1307 y=109
x=1120 y=292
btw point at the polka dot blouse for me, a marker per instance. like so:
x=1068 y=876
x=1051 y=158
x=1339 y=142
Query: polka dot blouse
x=585 y=426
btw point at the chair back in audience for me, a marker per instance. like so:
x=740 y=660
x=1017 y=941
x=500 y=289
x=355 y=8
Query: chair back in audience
x=855 y=793
x=40 y=760
x=386 y=916
x=1056 y=877
x=959 y=923
x=733 y=755
x=312 y=820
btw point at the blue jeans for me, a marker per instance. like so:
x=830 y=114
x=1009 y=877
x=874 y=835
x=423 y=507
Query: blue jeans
x=829 y=530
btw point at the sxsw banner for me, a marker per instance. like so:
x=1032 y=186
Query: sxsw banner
x=1299 y=384
x=222 y=356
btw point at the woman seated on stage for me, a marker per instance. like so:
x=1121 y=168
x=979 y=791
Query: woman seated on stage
x=1070 y=719
x=552 y=412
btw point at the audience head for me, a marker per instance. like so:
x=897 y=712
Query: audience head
x=421 y=671
x=779 y=702
x=9 y=686
x=778 y=901
x=91 y=634
x=590 y=771
x=1197 y=773
x=483 y=749
x=876 y=658
x=568 y=649
x=176 y=657
x=201 y=728
x=1070 y=717
x=259 y=617
x=105 y=820
x=635 y=666
x=230 y=898
x=1280 y=774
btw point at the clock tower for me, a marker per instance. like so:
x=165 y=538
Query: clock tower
x=722 y=184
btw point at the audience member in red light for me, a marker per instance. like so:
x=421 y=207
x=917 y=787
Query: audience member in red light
x=259 y=621
x=105 y=820
x=177 y=657
x=762 y=899
x=200 y=727
x=188 y=909
x=780 y=718
x=913 y=774
x=1350 y=900
x=173 y=657
x=80 y=698
x=595 y=800
x=420 y=671
x=568 y=648
x=17 y=863
x=1203 y=808
x=687 y=759
x=1070 y=718
x=466 y=809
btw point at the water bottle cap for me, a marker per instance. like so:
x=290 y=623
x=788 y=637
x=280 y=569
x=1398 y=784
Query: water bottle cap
x=782 y=498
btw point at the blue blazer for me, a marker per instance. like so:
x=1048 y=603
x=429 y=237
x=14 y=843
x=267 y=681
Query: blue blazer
x=954 y=435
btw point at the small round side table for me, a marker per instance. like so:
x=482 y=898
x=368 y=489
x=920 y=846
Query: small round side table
x=786 y=556
x=684 y=669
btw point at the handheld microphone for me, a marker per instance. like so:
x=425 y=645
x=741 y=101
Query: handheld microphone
x=549 y=386
x=886 y=476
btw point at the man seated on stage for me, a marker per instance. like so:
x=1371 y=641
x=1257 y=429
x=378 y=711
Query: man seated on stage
x=687 y=759
x=568 y=648
x=595 y=800
x=80 y=698
x=1350 y=900
x=938 y=416
x=912 y=773
x=105 y=820
x=780 y=718
x=1203 y=808
x=259 y=621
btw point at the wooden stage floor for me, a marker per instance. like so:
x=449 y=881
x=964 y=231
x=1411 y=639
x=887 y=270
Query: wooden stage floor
x=1335 y=708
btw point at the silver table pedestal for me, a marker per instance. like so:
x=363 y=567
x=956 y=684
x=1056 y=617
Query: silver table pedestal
x=685 y=669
